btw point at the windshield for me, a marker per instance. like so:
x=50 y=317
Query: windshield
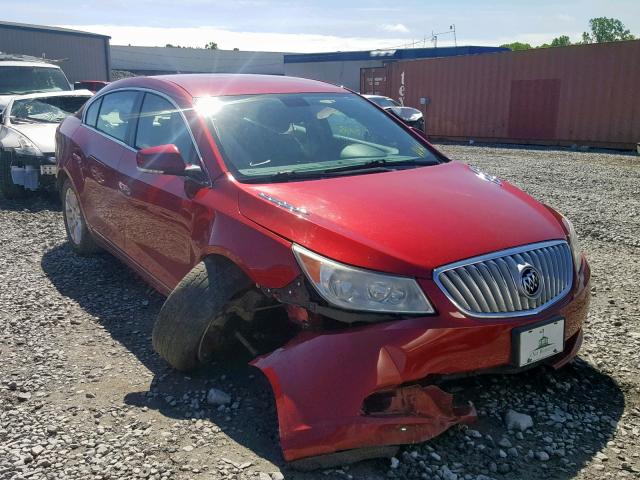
x=384 y=102
x=21 y=80
x=307 y=134
x=45 y=110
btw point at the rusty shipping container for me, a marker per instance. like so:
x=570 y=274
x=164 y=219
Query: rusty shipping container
x=373 y=81
x=584 y=95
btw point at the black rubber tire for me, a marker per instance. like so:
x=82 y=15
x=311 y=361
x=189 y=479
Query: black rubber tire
x=87 y=245
x=193 y=306
x=9 y=189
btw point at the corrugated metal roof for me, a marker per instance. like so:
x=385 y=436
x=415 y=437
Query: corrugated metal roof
x=391 y=54
x=46 y=28
x=194 y=60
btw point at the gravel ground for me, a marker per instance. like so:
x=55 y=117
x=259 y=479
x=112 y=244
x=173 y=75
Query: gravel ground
x=82 y=394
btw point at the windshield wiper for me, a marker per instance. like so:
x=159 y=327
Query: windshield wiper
x=292 y=174
x=371 y=166
x=380 y=165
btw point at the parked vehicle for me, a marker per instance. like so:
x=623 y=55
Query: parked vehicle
x=91 y=85
x=27 y=139
x=296 y=220
x=409 y=115
x=21 y=74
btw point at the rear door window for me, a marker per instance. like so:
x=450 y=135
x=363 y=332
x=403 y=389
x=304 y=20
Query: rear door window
x=116 y=112
x=160 y=123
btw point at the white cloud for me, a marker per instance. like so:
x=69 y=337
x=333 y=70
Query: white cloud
x=228 y=39
x=395 y=27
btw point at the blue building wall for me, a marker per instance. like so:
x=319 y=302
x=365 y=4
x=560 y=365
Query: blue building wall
x=389 y=55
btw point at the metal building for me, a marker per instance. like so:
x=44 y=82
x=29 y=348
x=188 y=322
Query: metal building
x=82 y=55
x=343 y=68
x=161 y=60
x=581 y=94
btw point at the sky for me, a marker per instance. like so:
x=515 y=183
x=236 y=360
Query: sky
x=323 y=25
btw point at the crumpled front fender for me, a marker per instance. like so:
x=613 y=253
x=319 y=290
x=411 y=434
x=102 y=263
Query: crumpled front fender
x=341 y=391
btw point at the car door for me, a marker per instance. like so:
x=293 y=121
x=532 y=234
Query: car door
x=158 y=210
x=101 y=142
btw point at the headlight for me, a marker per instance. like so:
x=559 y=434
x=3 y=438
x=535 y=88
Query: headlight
x=25 y=145
x=358 y=289
x=574 y=243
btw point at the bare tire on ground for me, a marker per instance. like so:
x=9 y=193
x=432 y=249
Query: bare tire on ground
x=9 y=189
x=78 y=234
x=194 y=309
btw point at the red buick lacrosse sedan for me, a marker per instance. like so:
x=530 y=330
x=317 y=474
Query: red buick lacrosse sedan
x=299 y=223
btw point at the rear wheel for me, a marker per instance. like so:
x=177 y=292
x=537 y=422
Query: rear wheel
x=193 y=324
x=9 y=189
x=78 y=234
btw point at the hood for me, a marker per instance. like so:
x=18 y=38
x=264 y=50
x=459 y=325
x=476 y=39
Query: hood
x=406 y=113
x=406 y=221
x=42 y=134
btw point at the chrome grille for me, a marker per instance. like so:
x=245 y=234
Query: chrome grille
x=490 y=285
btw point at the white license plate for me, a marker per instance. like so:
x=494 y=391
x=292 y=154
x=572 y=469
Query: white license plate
x=540 y=342
x=48 y=169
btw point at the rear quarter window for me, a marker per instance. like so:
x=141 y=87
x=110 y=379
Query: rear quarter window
x=91 y=117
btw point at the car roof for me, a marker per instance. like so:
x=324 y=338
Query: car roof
x=12 y=63
x=202 y=85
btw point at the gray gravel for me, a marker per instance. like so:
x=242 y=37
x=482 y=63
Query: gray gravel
x=83 y=396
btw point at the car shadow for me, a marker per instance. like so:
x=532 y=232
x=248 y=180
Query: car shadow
x=32 y=202
x=126 y=308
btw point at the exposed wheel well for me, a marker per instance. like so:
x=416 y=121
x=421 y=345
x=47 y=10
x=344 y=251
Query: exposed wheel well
x=225 y=260
x=258 y=322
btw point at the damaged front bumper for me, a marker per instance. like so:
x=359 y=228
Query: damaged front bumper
x=33 y=172
x=372 y=386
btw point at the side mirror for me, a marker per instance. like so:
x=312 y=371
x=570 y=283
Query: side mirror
x=163 y=159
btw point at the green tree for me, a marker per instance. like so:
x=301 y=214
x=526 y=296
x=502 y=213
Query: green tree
x=517 y=46
x=604 y=29
x=211 y=46
x=561 y=41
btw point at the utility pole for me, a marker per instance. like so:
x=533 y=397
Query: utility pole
x=452 y=29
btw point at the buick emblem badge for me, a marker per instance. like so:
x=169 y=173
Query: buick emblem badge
x=530 y=281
